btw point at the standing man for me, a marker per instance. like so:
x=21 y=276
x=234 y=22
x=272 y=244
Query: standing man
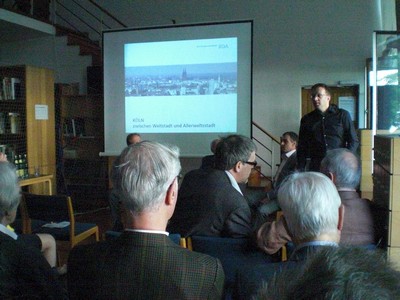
x=288 y=166
x=143 y=262
x=327 y=127
x=113 y=200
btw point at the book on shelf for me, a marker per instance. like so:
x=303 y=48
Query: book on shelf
x=74 y=127
x=15 y=88
x=10 y=88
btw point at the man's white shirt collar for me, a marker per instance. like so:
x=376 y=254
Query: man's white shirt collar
x=289 y=154
x=233 y=182
x=148 y=231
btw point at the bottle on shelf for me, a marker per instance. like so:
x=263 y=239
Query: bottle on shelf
x=16 y=163
x=21 y=167
x=25 y=163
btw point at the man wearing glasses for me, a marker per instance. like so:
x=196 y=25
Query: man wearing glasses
x=327 y=127
x=210 y=201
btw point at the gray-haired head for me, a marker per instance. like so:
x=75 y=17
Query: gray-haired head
x=232 y=149
x=143 y=172
x=310 y=203
x=344 y=165
x=340 y=273
x=9 y=189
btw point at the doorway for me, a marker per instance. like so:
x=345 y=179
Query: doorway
x=345 y=97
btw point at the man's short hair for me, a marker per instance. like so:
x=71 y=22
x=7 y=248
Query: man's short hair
x=337 y=273
x=293 y=136
x=315 y=87
x=9 y=188
x=344 y=165
x=310 y=203
x=129 y=137
x=143 y=173
x=232 y=149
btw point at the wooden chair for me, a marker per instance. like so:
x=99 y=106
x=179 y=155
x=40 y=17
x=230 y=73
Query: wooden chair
x=55 y=209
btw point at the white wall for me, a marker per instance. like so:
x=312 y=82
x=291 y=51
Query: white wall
x=48 y=52
x=296 y=43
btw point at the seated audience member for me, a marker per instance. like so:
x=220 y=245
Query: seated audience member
x=42 y=241
x=343 y=168
x=337 y=273
x=113 y=199
x=289 y=140
x=143 y=263
x=24 y=272
x=209 y=160
x=313 y=215
x=133 y=138
x=211 y=202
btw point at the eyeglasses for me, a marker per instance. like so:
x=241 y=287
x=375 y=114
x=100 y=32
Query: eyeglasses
x=253 y=163
x=318 y=96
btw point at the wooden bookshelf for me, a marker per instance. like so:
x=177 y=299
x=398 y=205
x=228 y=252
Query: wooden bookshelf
x=35 y=134
x=81 y=123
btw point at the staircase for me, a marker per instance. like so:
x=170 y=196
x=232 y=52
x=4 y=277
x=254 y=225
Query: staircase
x=86 y=46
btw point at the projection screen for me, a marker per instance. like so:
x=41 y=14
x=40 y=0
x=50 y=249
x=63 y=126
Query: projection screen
x=184 y=85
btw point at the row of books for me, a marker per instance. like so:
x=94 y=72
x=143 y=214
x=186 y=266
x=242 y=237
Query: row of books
x=10 y=88
x=74 y=127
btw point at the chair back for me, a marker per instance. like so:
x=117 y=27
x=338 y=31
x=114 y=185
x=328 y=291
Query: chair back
x=233 y=254
x=56 y=209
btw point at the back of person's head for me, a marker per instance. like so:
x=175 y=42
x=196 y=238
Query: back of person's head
x=344 y=165
x=337 y=273
x=293 y=136
x=133 y=138
x=9 y=188
x=143 y=172
x=214 y=144
x=315 y=87
x=232 y=149
x=310 y=203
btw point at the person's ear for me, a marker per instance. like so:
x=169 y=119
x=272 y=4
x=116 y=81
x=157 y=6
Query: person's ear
x=238 y=167
x=341 y=217
x=172 y=193
x=331 y=176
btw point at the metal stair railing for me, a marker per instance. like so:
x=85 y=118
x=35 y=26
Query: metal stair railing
x=268 y=150
x=84 y=17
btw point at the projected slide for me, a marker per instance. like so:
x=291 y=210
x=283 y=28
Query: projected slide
x=187 y=86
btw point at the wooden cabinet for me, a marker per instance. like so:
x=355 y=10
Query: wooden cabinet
x=27 y=118
x=84 y=172
x=387 y=190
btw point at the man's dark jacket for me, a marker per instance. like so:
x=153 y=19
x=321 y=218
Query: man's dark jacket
x=209 y=205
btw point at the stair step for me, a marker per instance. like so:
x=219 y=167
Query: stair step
x=82 y=41
x=61 y=30
x=86 y=45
